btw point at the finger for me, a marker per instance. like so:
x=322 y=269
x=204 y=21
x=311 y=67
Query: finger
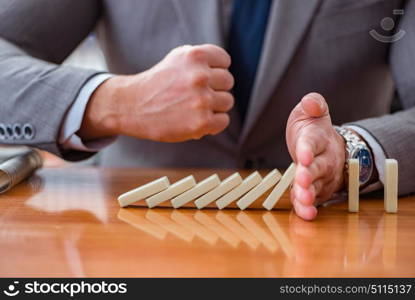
x=221 y=102
x=303 y=176
x=221 y=79
x=292 y=196
x=306 y=212
x=218 y=123
x=216 y=56
x=314 y=105
x=308 y=145
x=304 y=196
x=312 y=181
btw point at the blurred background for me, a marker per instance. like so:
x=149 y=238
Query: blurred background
x=88 y=55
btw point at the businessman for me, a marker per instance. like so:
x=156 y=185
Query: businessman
x=217 y=83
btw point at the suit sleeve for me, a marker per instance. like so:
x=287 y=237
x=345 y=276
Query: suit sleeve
x=396 y=132
x=36 y=91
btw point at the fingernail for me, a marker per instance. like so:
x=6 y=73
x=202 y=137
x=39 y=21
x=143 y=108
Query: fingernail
x=317 y=101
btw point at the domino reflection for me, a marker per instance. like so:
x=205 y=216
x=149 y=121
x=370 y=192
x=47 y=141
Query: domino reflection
x=298 y=242
x=234 y=228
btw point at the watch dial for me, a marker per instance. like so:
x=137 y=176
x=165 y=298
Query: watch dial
x=365 y=161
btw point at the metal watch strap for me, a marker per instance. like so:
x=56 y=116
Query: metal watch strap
x=352 y=141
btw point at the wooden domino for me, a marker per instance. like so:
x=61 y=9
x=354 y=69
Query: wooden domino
x=172 y=191
x=211 y=190
x=224 y=187
x=280 y=188
x=144 y=191
x=268 y=182
x=201 y=188
x=354 y=185
x=250 y=182
x=391 y=186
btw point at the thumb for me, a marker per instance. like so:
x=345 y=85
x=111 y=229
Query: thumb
x=313 y=105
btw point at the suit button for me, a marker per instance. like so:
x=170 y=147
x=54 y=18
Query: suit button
x=28 y=131
x=17 y=131
x=9 y=132
x=2 y=132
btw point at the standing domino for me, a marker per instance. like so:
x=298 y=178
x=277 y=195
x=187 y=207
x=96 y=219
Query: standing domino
x=200 y=189
x=249 y=182
x=175 y=189
x=354 y=185
x=391 y=186
x=144 y=191
x=268 y=182
x=281 y=187
x=224 y=187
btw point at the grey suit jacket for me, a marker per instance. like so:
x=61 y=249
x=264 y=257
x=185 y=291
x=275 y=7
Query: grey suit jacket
x=310 y=45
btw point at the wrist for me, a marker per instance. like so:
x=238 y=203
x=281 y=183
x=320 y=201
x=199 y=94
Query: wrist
x=101 y=117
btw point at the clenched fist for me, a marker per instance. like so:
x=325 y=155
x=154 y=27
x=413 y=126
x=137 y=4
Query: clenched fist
x=319 y=152
x=185 y=96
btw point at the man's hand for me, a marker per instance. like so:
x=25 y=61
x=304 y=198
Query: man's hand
x=183 y=97
x=319 y=152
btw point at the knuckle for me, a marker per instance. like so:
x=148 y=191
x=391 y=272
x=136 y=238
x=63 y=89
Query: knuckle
x=199 y=125
x=196 y=54
x=199 y=78
x=200 y=102
x=180 y=51
x=207 y=100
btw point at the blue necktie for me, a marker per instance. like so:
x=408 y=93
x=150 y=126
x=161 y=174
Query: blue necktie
x=247 y=31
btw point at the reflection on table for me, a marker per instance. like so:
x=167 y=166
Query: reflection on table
x=361 y=243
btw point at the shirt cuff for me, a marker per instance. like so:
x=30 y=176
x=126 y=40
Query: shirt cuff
x=379 y=158
x=68 y=139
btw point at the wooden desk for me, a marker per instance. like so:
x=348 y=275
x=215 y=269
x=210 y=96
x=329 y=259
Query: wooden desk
x=67 y=222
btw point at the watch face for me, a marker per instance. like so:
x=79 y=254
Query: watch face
x=366 y=164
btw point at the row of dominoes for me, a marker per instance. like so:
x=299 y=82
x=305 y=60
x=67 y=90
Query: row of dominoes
x=249 y=190
x=391 y=185
x=211 y=189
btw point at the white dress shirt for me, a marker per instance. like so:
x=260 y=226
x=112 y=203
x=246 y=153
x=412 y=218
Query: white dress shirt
x=68 y=139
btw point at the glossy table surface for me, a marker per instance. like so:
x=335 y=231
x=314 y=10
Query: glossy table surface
x=66 y=222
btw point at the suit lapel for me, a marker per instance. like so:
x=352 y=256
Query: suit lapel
x=288 y=22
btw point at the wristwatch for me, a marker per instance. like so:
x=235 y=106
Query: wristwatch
x=356 y=148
